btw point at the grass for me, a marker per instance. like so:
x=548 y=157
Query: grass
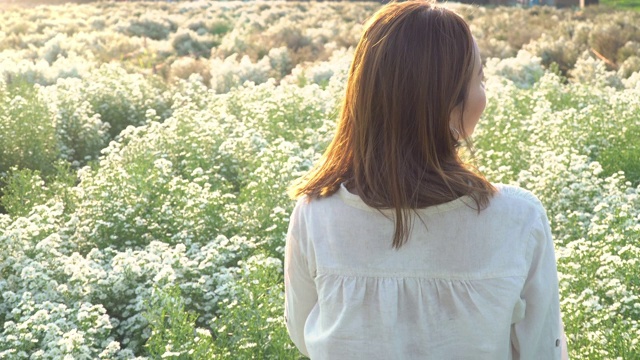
x=622 y=4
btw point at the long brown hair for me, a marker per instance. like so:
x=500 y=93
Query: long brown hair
x=393 y=143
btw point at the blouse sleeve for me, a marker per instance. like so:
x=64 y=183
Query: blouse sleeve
x=539 y=334
x=300 y=291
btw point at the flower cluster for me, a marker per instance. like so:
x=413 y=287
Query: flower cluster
x=195 y=200
x=163 y=235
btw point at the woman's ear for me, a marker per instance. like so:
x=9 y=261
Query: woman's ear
x=455 y=117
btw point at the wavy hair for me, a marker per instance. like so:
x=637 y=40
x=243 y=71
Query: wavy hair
x=393 y=144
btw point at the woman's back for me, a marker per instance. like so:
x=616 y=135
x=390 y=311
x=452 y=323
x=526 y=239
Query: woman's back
x=457 y=277
x=458 y=289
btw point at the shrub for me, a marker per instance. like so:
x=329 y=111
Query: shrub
x=173 y=329
x=629 y=66
x=230 y=72
x=53 y=48
x=524 y=70
x=107 y=46
x=80 y=130
x=633 y=81
x=150 y=28
x=167 y=192
x=184 y=67
x=56 y=330
x=589 y=70
x=188 y=43
x=25 y=188
x=41 y=72
x=561 y=51
x=251 y=325
x=27 y=131
x=630 y=48
x=122 y=99
x=219 y=27
x=608 y=37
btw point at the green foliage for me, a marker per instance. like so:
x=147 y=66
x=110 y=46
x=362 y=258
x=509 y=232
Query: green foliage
x=167 y=192
x=609 y=38
x=219 y=27
x=123 y=99
x=25 y=188
x=187 y=42
x=621 y=4
x=149 y=28
x=80 y=130
x=173 y=328
x=27 y=132
x=622 y=154
x=251 y=326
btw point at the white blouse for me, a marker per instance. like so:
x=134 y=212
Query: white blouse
x=466 y=285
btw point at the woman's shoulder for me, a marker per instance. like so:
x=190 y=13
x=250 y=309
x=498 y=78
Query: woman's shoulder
x=516 y=192
x=305 y=203
x=510 y=195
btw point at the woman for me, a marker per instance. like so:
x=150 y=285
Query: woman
x=396 y=249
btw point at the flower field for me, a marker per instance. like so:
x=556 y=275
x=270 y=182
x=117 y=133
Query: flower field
x=146 y=147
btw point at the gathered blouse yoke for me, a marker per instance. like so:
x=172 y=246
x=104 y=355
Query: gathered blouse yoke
x=466 y=284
